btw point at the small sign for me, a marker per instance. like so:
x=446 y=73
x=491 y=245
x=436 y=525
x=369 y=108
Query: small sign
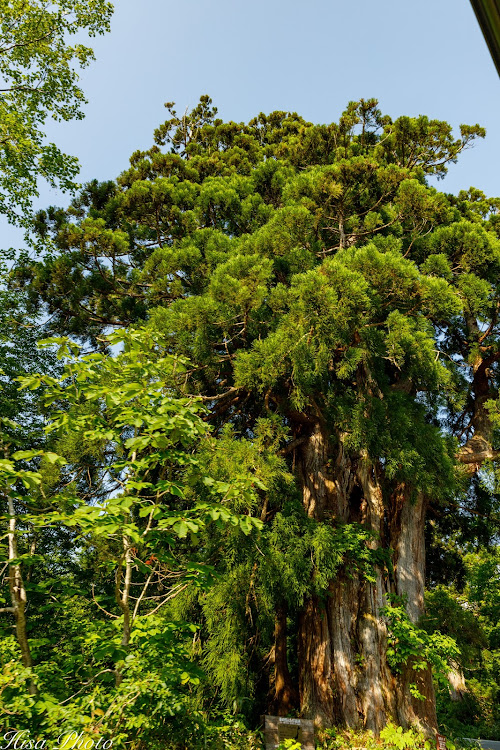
x=279 y=728
x=289 y=732
x=440 y=742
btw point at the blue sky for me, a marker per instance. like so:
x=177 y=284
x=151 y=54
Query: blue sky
x=426 y=57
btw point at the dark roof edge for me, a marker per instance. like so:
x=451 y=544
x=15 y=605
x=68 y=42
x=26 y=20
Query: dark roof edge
x=488 y=15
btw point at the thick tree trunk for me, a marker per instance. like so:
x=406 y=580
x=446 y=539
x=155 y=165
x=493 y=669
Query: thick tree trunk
x=316 y=687
x=285 y=695
x=324 y=666
x=408 y=541
x=344 y=674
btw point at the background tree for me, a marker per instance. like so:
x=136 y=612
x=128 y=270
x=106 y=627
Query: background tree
x=38 y=80
x=136 y=502
x=21 y=428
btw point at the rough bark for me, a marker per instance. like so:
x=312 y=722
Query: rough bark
x=344 y=675
x=285 y=695
x=457 y=686
x=325 y=653
x=408 y=542
x=478 y=447
x=316 y=663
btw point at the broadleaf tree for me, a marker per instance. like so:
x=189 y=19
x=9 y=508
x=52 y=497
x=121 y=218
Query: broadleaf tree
x=39 y=80
x=135 y=499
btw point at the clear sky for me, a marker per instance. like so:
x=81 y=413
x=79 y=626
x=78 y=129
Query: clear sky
x=415 y=56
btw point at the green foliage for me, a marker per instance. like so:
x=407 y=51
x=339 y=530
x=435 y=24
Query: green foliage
x=124 y=410
x=148 y=695
x=395 y=738
x=392 y=737
x=410 y=645
x=471 y=616
x=37 y=65
x=289 y=744
x=311 y=349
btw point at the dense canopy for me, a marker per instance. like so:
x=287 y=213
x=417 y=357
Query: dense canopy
x=337 y=316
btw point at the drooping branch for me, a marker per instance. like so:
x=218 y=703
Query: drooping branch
x=473 y=458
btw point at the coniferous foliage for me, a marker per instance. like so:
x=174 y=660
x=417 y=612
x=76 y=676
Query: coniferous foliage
x=338 y=317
